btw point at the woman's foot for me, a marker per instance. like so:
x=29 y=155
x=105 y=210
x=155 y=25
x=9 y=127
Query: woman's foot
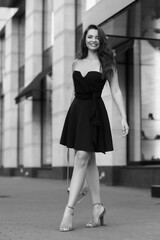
x=66 y=224
x=98 y=216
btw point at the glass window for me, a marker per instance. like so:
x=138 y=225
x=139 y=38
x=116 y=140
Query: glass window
x=47 y=57
x=21 y=40
x=48 y=33
x=135 y=35
x=20 y=136
x=150 y=15
x=46 y=118
x=140 y=20
x=20 y=119
x=79 y=32
x=79 y=10
x=48 y=24
x=1 y=128
x=150 y=100
x=2 y=54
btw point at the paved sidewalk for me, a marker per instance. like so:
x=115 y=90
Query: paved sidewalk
x=31 y=209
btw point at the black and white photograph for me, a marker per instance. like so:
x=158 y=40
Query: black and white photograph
x=80 y=119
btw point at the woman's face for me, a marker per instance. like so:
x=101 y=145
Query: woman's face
x=92 y=40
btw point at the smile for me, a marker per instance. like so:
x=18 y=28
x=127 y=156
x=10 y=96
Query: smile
x=93 y=44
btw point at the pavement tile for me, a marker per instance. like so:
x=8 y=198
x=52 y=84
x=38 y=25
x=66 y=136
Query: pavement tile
x=31 y=209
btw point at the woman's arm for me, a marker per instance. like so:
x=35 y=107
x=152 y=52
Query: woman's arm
x=73 y=68
x=117 y=96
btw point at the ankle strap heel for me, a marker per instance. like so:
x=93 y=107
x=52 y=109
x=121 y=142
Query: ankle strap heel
x=70 y=207
x=98 y=216
x=66 y=224
x=97 y=204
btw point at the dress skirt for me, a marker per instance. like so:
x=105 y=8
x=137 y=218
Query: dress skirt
x=78 y=130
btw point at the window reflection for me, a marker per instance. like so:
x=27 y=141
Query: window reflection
x=151 y=19
x=139 y=25
x=150 y=99
x=141 y=20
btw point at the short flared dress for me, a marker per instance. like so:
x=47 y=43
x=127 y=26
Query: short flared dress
x=87 y=125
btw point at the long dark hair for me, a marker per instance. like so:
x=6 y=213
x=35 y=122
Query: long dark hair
x=104 y=52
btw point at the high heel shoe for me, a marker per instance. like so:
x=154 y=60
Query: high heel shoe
x=98 y=216
x=66 y=224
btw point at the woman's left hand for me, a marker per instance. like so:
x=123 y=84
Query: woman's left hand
x=125 y=127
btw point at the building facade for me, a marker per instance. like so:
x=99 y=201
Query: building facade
x=38 y=45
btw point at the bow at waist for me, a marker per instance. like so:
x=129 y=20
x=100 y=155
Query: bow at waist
x=94 y=114
x=92 y=96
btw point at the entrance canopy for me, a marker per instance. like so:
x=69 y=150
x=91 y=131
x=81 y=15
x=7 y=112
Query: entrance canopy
x=34 y=88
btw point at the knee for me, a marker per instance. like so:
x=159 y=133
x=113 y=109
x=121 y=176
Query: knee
x=82 y=158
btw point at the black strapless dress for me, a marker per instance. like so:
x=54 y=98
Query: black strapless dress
x=87 y=126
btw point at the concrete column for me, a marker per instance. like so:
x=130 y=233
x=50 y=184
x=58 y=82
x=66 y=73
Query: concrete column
x=63 y=56
x=33 y=65
x=10 y=88
x=1 y=115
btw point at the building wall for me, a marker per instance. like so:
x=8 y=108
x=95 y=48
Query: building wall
x=63 y=56
x=33 y=65
x=10 y=89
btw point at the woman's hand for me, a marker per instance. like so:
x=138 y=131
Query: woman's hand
x=125 y=127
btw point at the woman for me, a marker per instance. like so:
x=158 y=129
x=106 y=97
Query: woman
x=87 y=128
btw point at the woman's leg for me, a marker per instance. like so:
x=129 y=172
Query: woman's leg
x=92 y=177
x=77 y=181
x=78 y=176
